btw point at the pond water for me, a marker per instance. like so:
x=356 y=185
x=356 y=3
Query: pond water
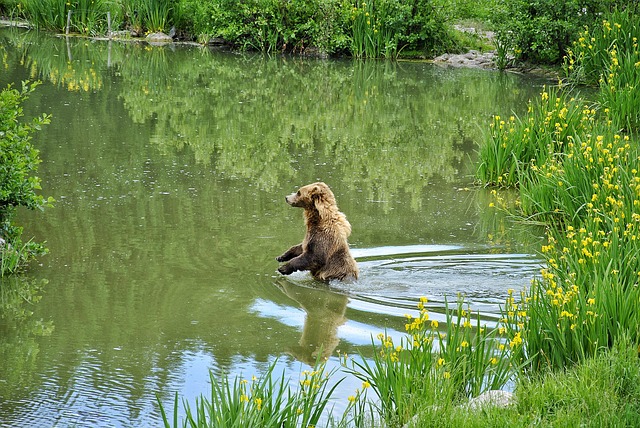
x=170 y=165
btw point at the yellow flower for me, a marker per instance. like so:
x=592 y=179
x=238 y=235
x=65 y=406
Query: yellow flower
x=351 y=398
x=366 y=385
x=434 y=324
x=446 y=375
x=258 y=402
x=440 y=362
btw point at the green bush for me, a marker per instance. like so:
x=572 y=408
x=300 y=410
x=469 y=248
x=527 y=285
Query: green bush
x=18 y=162
x=269 y=25
x=541 y=31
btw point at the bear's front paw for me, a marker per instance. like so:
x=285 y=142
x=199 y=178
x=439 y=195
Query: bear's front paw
x=285 y=270
x=280 y=258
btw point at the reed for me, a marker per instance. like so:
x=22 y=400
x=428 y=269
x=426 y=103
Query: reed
x=154 y=14
x=434 y=367
x=371 y=38
x=514 y=145
x=47 y=14
x=260 y=402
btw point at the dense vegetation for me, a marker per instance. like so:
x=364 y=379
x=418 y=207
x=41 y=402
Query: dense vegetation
x=18 y=185
x=372 y=29
x=539 y=31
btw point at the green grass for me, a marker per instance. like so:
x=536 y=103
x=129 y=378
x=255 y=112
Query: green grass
x=602 y=392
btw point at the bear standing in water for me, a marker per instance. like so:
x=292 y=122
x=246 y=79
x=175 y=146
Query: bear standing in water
x=324 y=250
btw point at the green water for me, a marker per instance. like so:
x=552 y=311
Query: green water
x=170 y=165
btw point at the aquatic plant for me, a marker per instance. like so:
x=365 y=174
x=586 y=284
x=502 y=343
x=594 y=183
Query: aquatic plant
x=86 y=16
x=588 y=292
x=371 y=37
x=435 y=365
x=261 y=402
x=155 y=15
x=581 y=181
x=608 y=55
x=512 y=144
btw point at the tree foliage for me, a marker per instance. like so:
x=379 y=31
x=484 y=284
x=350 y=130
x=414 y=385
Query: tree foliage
x=19 y=161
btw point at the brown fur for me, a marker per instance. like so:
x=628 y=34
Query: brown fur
x=324 y=250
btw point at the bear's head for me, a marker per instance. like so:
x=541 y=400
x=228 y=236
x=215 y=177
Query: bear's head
x=316 y=195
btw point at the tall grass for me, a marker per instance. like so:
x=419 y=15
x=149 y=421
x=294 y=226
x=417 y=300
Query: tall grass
x=371 y=38
x=88 y=17
x=580 y=177
x=515 y=144
x=607 y=55
x=47 y=14
x=154 y=14
x=259 y=402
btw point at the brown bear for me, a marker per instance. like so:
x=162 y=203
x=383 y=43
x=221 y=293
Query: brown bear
x=324 y=250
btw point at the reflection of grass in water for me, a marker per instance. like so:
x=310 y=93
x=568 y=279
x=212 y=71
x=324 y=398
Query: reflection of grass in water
x=18 y=347
x=74 y=64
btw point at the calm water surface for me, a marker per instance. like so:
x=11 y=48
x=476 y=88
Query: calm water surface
x=170 y=165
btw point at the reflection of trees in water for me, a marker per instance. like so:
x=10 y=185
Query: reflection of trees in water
x=18 y=332
x=385 y=127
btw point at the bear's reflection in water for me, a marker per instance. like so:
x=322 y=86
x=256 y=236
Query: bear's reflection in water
x=325 y=312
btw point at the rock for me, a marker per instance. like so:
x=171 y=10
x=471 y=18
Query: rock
x=471 y=59
x=159 y=38
x=495 y=398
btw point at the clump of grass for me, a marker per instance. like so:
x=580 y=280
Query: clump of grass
x=433 y=367
x=154 y=14
x=370 y=37
x=607 y=55
x=260 y=402
x=47 y=14
x=514 y=144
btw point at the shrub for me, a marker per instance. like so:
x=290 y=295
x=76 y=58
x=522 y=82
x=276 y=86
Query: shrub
x=18 y=162
x=541 y=31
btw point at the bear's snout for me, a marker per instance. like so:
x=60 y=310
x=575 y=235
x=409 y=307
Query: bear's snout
x=294 y=200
